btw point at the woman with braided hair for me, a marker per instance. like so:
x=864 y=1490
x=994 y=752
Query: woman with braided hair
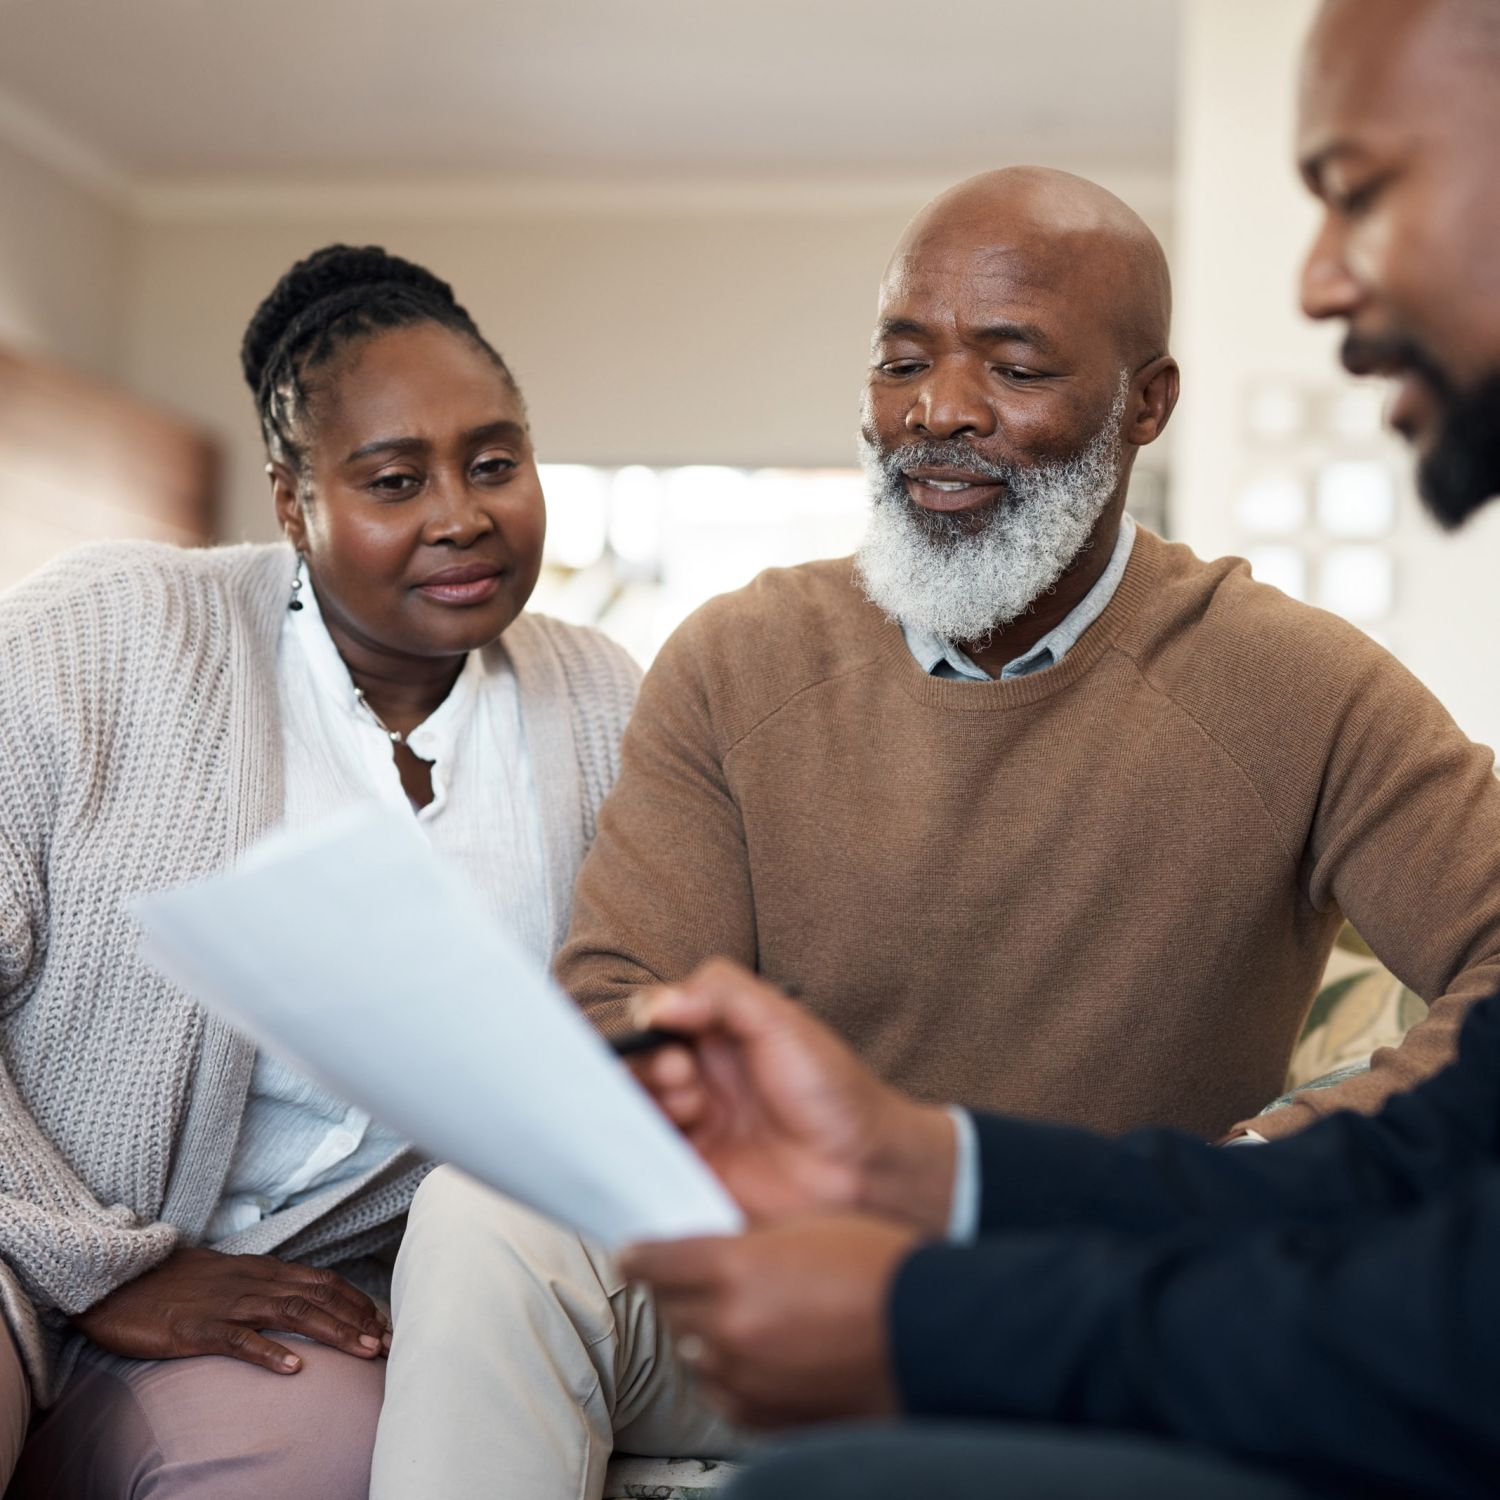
x=193 y=1238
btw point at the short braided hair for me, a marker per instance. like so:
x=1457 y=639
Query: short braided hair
x=335 y=296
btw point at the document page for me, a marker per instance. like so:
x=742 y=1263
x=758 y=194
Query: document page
x=355 y=953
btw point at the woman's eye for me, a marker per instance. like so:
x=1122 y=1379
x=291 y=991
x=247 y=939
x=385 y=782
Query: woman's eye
x=494 y=468
x=392 y=486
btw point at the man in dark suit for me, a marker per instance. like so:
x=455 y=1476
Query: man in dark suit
x=1319 y=1316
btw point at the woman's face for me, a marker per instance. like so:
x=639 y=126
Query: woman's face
x=424 y=520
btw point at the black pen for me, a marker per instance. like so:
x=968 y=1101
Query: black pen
x=634 y=1042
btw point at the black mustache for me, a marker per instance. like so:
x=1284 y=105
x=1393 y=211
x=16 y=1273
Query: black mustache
x=1364 y=354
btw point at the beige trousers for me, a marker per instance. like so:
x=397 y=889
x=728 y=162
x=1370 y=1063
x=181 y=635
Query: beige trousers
x=209 y=1428
x=521 y=1360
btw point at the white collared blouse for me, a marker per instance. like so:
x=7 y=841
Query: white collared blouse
x=298 y=1139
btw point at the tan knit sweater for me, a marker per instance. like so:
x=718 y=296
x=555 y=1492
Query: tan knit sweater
x=140 y=747
x=1102 y=894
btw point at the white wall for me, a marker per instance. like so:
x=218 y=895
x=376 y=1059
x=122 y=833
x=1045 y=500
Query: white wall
x=1244 y=222
x=651 y=327
x=63 y=251
x=1242 y=225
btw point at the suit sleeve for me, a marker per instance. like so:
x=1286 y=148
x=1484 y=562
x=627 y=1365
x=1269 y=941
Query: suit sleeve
x=1360 y=1353
x=1324 y=1302
x=1044 y=1177
x=666 y=883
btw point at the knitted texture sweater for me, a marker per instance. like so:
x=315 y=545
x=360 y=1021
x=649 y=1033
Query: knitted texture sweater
x=140 y=748
x=1102 y=894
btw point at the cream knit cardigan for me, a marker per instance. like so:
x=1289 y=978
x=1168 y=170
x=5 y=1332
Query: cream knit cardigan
x=139 y=748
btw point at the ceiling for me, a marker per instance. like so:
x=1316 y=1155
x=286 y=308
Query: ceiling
x=536 y=87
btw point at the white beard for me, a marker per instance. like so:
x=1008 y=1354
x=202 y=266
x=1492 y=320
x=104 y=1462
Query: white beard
x=924 y=570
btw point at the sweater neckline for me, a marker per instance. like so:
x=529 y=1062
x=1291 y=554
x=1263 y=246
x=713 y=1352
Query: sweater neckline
x=987 y=697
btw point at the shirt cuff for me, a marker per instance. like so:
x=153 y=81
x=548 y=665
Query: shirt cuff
x=963 y=1216
x=1248 y=1138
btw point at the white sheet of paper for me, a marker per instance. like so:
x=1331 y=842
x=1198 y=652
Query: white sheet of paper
x=355 y=953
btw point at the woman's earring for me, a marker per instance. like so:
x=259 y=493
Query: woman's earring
x=296 y=599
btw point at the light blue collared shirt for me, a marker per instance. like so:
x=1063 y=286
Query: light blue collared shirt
x=943 y=658
x=963 y=1215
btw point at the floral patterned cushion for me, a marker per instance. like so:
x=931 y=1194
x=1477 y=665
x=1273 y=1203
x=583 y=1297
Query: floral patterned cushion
x=1361 y=1007
x=632 y=1478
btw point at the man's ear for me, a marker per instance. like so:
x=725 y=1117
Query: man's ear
x=1156 y=388
x=286 y=497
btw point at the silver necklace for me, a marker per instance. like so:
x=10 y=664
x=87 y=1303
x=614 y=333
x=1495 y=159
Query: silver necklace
x=394 y=735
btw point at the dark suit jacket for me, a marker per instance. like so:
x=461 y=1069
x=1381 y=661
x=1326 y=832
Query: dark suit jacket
x=1328 y=1304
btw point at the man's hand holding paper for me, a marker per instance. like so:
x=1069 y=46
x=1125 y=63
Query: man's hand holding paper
x=788 y=1118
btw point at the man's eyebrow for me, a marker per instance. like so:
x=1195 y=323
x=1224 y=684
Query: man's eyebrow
x=898 y=328
x=992 y=333
x=1015 y=333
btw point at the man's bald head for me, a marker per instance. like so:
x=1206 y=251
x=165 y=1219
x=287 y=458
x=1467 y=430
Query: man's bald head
x=1053 y=229
x=1468 y=30
x=1019 y=364
x=1384 y=46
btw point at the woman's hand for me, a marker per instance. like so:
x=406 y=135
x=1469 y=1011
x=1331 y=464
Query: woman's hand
x=784 y=1113
x=202 y=1302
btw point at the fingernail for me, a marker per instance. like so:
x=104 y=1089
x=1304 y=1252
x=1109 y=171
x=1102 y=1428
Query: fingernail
x=290 y=1362
x=369 y=1341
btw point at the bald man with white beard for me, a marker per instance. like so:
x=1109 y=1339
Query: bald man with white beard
x=1009 y=798
x=1041 y=813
